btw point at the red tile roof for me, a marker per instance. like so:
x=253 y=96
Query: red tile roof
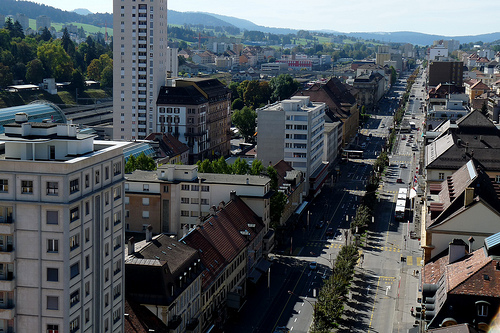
x=139 y=319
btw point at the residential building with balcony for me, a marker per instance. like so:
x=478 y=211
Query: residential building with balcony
x=61 y=234
x=142 y=63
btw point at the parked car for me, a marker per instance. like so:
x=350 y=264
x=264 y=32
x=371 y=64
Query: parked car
x=313 y=266
x=329 y=232
x=337 y=235
x=399 y=180
x=402 y=165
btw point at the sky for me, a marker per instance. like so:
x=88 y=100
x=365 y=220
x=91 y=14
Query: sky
x=440 y=17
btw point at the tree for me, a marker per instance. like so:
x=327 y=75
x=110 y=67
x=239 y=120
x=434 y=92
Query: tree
x=283 y=86
x=394 y=75
x=77 y=80
x=66 y=42
x=251 y=94
x=278 y=203
x=35 y=71
x=56 y=61
x=5 y=76
x=131 y=164
x=273 y=174
x=256 y=168
x=45 y=35
x=107 y=77
x=145 y=163
x=240 y=167
x=237 y=104
x=244 y=120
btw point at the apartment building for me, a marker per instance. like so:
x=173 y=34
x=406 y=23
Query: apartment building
x=142 y=62
x=176 y=198
x=218 y=116
x=61 y=235
x=292 y=130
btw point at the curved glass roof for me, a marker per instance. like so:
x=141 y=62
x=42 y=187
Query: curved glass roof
x=137 y=149
x=36 y=111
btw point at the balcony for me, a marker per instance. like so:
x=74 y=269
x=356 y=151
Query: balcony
x=192 y=324
x=8 y=284
x=143 y=11
x=142 y=119
x=7 y=254
x=8 y=313
x=6 y=226
x=174 y=322
x=143 y=57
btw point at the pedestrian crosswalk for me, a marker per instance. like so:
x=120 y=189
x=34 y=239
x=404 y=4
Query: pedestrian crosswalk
x=325 y=244
x=413 y=261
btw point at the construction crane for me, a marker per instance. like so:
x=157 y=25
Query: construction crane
x=200 y=38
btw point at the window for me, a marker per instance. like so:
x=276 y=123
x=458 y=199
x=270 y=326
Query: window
x=87 y=262
x=195 y=201
x=74 y=325
x=87 y=235
x=87 y=180
x=52 y=188
x=204 y=201
x=116 y=316
x=74 y=186
x=205 y=188
x=52 y=303
x=74 y=298
x=184 y=213
x=195 y=187
x=441 y=176
x=117 y=291
x=117 y=242
x=4 y=185
x=74 y=214
x=145 y=187
x=482 y=309
x=185 y=187
x=74 y=270
x=117 y=267
x=145 y=214
x=87 y=208
x=74 y=242
x=87 y=288
x=27 y=187
x=145 y=201
x=106 y=173
x=497 y=179
x=52 y=217
x=117 y=218
x=106 y=249
x=106 y=278
x=185 y=200
x=117 y=168
x=52 y=245
x=106 y=198
x=117 y=193
x=165 y=188
x=52 y=328
x=52 y=274
x=97 y=176
x=106 y=224
x=127 y=200
x=87 y=315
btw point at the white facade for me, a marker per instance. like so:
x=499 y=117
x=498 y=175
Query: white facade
x=438 y=52
x=292 y=130
x=61 y=257
x=141 y=64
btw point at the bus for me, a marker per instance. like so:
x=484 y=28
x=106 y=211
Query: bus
x=400 y=209
x=351 y=154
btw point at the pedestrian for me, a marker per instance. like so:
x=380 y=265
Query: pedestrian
x=411 y=310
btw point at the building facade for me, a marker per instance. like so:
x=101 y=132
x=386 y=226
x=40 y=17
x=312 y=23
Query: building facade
x=292 y=130
x=142 y=62
x=61 y=223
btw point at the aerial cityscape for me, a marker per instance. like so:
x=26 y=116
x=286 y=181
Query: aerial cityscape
x=280 y=168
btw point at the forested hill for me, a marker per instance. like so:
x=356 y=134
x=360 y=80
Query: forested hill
x=33 y=10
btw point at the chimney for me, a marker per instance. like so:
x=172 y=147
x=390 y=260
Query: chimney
x=131 y=245
x=233 y=195
x=221 y=205
x=469 y=196
x=456 y=250
x=149 y=233
x=213 y=210
x=471 y=241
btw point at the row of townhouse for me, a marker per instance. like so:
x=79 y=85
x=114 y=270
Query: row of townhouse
x=193 y=284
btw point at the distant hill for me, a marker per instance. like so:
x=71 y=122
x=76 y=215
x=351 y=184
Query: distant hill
x=82 y=15
x=82 y=11
x=33 y=10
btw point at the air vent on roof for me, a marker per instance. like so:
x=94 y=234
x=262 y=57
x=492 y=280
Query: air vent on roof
x=486 y=277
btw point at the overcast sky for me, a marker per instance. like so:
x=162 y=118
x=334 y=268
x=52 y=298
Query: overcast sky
x=440 y=17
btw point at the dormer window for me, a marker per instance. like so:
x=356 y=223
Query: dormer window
x=482 y=308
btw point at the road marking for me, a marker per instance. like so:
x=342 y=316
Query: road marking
x=409 y=260
x=373 y=308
